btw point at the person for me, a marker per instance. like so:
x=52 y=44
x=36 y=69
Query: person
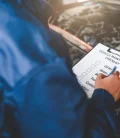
x=39 y=95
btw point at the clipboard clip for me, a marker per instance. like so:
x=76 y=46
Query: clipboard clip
x=110 y=51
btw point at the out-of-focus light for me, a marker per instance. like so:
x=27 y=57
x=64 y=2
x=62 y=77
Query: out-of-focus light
x=72 y=1
x=69 y=1
x=81 y=0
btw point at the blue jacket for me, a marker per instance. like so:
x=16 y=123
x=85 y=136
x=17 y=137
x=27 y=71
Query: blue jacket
x=39 y=95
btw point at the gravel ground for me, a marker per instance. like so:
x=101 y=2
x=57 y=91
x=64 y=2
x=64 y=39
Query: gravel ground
x=93 y=22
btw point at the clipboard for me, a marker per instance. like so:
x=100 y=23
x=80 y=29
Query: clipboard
x=113 y=51
x=101 y=59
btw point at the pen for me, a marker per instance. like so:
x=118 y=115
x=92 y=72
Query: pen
x=113 y=70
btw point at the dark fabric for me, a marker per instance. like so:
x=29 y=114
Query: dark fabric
x=101 y=120
x=39 y=95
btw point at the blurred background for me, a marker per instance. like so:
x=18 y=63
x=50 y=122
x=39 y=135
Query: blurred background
x=85 y=23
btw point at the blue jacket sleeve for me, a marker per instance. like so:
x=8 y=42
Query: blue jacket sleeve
x=54 y=104
x=101 y=119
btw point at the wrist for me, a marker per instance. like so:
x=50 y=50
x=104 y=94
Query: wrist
x=102 y=98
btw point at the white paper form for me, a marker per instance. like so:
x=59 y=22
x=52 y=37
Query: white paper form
x=100 y=60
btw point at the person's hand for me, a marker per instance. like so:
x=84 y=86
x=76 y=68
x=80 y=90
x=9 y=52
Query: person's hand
x=111 y=84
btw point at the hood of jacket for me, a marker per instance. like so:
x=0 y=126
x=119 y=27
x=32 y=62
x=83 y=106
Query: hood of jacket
x=40 y=8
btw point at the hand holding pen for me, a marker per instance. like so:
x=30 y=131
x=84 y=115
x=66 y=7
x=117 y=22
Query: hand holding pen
x=110 y=83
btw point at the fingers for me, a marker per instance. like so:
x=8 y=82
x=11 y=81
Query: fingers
x=116 y=73
x=101 y=76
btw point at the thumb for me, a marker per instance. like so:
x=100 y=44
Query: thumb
x=101 y=76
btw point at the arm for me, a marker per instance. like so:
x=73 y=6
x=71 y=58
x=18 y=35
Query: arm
x=58 y=107
x=54 y=105
x=101 y=118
